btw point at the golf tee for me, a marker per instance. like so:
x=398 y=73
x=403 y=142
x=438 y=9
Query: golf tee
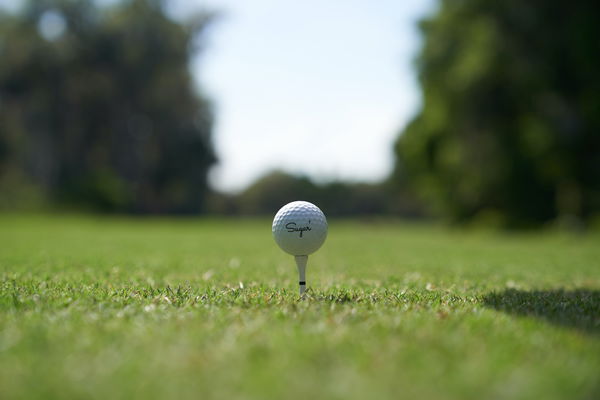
x=301 y=264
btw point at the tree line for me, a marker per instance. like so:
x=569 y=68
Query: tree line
x=98 y=111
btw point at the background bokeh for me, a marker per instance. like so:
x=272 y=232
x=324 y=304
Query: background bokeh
x=100 y=111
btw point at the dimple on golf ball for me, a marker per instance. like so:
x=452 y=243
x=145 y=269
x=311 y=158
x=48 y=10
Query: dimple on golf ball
x=299 y=228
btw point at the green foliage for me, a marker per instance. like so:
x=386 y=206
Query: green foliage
x=98 y=108
x=272 y=191
x=510 y=118
x=137 y=308
x=275 y=189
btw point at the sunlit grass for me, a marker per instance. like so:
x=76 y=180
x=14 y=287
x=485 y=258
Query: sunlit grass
x=135 y=308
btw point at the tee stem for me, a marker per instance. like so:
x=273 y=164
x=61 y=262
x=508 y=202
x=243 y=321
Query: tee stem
x=301 y=264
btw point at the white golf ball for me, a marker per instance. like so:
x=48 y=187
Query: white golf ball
x=299 y=228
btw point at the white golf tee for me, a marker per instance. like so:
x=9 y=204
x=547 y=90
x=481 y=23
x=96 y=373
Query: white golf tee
x=301 y=264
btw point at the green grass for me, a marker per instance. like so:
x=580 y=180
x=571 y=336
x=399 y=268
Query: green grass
x=101 y=308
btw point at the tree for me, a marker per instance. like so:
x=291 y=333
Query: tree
x=98 y=107
x=510 y=123
x=275 y=189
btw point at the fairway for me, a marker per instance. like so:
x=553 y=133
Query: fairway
x=120 y=308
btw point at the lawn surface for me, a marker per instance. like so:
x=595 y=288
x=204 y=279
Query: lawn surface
x=108 y=308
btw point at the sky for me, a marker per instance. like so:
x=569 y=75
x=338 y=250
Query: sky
x=319 y=88
x=311 y=87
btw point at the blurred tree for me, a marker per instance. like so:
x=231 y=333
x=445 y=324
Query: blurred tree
x=510 y=124
x=99 y=109
x=276 y=189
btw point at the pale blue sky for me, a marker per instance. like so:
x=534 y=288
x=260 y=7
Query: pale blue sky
x=314 y=87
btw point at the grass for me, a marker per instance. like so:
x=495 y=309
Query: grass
x=101 y=308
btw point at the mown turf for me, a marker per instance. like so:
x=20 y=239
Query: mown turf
x=100 y=308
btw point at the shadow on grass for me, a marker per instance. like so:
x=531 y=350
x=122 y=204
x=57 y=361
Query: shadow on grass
x=578 y=309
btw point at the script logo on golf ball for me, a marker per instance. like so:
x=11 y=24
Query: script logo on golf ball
x=300 y=228
x=293 y=227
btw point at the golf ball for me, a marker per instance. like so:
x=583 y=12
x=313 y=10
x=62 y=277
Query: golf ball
x=299 y=228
